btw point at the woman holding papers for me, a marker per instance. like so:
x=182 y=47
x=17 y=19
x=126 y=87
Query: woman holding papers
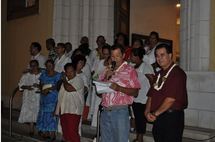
x=47 y=122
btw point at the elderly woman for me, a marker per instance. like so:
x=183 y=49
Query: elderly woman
x=47 y=122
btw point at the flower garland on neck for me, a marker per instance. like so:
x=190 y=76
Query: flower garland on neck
x=124 y=63
x=163 y=79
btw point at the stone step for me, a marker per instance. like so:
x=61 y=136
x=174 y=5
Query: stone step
x=199 y=134
x=190 y=133
x=20 y=133
x=90 y=132
x=194 y=133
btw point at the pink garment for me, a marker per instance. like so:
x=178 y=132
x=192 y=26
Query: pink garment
x=125 y=76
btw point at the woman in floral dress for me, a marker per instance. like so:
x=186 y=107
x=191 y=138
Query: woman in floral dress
x=47 y=122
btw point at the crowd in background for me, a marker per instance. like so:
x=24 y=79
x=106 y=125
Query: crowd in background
x=58 y=93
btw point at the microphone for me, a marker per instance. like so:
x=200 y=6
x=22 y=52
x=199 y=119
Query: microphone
x=113 y=65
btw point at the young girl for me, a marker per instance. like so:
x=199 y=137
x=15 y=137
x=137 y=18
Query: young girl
x=29 y=84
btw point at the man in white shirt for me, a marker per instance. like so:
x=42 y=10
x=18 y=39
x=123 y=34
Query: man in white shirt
x=150 y=56
x=69 y=50
x=35 y=49
x=96 y=54
x=61 y=59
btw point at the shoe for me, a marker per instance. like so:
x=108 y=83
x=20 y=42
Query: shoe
x=132 y=130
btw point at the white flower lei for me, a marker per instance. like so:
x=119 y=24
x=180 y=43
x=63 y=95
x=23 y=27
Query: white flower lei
x=163 y=79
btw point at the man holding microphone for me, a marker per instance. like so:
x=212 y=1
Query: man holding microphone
x=114 y=122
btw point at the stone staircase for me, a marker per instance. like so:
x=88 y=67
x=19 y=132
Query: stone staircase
x=191 y=134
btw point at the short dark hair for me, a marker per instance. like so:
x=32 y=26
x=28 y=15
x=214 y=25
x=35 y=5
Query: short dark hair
x=125 y=37
x=138 y=52
x=106 y=46
x=85 y=49
x=75 y=52
x=36 y=45
x=49 y=61
x=68 y=65
x=118 y=46
x=51 y=41
x=139 y=40
x=100 y=36
x=166 y=46
x=34 y=61
x=68 y=44
x=61 y=45
x=155 y=33
x=76 y=59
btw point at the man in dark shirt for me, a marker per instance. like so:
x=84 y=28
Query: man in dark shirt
x=167 y=98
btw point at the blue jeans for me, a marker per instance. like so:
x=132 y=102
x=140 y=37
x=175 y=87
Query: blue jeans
x=115 y=125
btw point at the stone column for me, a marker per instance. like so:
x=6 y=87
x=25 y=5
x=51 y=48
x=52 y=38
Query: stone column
x=212 y=37
x=194 y=35
x=76 y=18
x=195 y=58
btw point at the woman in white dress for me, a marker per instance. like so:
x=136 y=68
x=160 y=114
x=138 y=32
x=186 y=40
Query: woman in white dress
x=29 y=84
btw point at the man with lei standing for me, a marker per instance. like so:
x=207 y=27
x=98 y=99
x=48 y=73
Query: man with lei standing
x=167 y=98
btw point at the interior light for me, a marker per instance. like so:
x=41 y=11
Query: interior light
x=178 y=5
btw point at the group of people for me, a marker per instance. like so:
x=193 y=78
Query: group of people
x=146 y=84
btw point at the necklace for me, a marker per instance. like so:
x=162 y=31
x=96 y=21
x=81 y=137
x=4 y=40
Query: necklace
x=124 y=63
x=156 y=87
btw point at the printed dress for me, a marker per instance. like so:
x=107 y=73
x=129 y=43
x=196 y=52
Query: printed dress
x=46 y=120
x=30 y=99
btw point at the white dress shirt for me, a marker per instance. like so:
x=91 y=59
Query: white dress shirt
x=61 y=62
x=40 y=58
x=143 y=69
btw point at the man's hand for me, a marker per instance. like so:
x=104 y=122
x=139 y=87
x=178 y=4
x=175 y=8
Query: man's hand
x=115 y=86
x=46 y=91
x=150 y=117
x=108 y=73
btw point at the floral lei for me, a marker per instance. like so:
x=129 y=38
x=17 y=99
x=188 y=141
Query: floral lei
x=156 y=87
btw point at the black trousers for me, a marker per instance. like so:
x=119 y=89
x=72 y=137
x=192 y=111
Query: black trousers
x=169 y=127
x=140 y=119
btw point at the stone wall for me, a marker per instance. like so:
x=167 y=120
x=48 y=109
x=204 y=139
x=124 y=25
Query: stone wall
x=201 y=97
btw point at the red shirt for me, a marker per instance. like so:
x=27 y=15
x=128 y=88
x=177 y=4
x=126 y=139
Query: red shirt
x=174 y=87
x=127 y=53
